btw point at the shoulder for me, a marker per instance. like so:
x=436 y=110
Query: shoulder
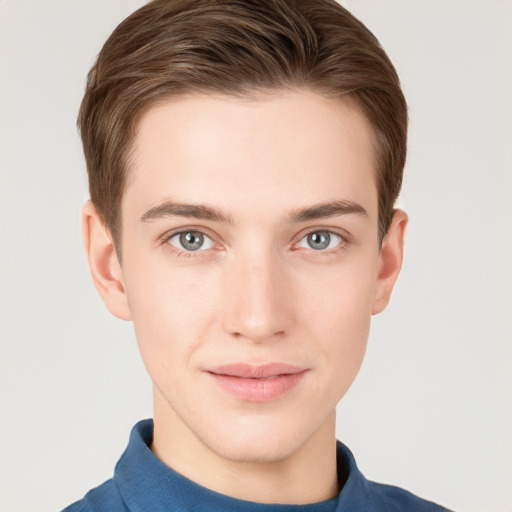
x=359 y=493
x=104 y=498
x=394 y=499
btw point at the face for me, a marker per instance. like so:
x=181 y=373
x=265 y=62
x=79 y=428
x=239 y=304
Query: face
x=251 y=265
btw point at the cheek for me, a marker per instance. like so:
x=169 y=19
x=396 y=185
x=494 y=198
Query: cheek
x=172 y=309
x=338 y=308
x=342 y=297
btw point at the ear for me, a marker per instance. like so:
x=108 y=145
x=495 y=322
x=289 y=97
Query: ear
x=104 y=265
x=390 y=261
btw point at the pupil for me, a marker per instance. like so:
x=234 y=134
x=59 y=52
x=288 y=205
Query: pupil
x=319 y=240
x=191 y=241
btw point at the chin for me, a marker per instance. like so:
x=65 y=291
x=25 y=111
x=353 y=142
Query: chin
x=262 y=442
x=260 y=451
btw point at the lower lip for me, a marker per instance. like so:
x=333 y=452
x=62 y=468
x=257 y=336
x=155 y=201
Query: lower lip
x=258 y=390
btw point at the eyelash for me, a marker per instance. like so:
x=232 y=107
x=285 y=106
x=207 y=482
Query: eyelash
x=343 y=244
x=183 y=253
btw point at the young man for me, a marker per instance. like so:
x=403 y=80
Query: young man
x=244 y=159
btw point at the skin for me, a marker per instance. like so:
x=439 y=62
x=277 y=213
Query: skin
x=256 y=292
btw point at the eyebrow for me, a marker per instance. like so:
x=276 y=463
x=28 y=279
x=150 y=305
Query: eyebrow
x=200 y=211
x=325 y=210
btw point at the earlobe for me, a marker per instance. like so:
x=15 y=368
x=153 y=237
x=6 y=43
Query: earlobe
x=390 y=261
x=104 y=265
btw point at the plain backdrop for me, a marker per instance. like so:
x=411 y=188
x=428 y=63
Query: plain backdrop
x=431 y=410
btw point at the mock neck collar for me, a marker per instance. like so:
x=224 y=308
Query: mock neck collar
x=146 y=483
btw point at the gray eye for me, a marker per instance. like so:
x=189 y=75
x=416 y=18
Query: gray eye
x=191 y=241
x=319 y=240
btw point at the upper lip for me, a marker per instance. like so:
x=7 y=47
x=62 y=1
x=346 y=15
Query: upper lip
x=252 y=371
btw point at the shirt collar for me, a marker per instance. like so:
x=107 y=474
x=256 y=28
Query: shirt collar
x=146 y=483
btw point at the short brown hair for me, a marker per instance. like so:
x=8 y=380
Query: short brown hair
x=235 y=47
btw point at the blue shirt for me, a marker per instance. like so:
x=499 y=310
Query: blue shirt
x=142 y=483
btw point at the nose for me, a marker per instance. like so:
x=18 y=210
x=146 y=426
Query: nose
x=257 y=300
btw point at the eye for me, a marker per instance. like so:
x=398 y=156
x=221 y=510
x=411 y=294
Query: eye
x=320 y=240
x=190 y=241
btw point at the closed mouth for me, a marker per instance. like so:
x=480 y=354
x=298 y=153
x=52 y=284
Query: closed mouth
x=257 y=383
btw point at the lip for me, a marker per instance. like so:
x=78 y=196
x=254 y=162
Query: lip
x=257 y=383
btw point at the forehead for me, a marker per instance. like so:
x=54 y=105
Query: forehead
x=277 y=149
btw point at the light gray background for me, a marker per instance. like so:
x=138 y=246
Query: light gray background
x=431 y=408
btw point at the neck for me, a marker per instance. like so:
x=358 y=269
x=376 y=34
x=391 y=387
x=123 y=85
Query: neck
x=308 y=475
